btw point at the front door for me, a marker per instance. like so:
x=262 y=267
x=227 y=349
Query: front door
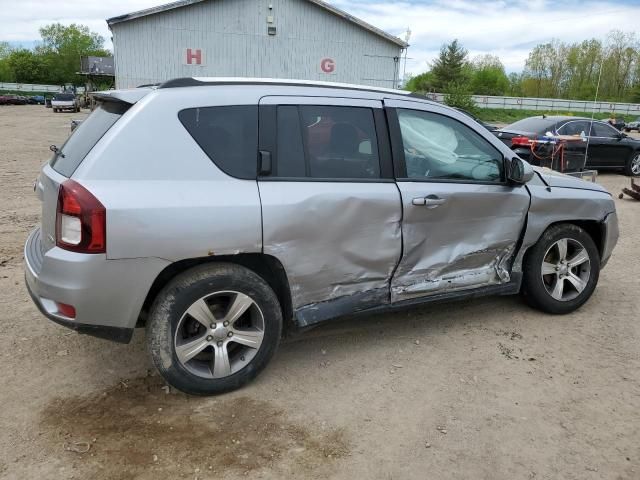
x=330 y=208
x=607 y=147
x=461 y=219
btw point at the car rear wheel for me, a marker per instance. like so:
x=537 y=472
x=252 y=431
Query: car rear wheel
x=561 y=270
x=633 y=165
x=214 y=328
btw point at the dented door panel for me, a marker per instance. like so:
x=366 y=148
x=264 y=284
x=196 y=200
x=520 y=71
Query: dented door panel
x=334 y=239
x=466 y=241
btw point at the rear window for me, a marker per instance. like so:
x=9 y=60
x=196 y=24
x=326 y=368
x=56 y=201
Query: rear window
x=84 y=138
x=531 y=125
x=65 y=97
x=228 y=135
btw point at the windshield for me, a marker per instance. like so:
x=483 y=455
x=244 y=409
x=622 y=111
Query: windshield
x=532 y=125
x=64 y=97
x=83 y=139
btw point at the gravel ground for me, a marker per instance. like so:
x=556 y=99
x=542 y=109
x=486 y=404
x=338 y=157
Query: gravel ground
x=485 y=389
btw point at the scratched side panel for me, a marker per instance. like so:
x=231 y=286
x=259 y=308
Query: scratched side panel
x=467 y=242
x=556 y=205
x=333 y=238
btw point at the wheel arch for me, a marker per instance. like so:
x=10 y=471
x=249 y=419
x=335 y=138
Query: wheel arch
x=267 y=267
x=594 y=228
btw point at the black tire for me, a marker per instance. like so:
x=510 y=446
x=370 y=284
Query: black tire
x=632 y=167
x=181 y=293
x=534 y=287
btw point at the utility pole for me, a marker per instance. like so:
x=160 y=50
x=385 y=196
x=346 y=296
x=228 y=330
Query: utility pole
x=407 y=36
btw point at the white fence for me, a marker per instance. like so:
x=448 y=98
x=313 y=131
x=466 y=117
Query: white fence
x=32 y=87
x=548 y=104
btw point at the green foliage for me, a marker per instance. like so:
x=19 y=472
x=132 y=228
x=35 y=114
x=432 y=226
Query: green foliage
x=507 y=116
x=458 y=95
x=424 y=82
x=56 y=60
x=450 y=65
x=552 y=70
x=6 y=74
x=488 y=76
x=563 y=70
x=26 y=66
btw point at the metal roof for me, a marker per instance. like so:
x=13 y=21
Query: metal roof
x=329 y=8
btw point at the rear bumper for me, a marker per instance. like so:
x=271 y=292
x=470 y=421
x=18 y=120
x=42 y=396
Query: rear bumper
x=106 y=294
x=610 y=237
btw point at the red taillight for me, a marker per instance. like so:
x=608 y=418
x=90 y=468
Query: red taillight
x=66 y=310
x=80 y=220
x=521 y=141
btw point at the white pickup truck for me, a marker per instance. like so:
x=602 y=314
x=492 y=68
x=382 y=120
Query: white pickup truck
x=65 y=101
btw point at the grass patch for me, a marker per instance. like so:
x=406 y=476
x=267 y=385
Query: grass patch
x=512 y=115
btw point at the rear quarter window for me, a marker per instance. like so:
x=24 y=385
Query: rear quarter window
x=85 y=137
x=228 y=135
x=532 y=125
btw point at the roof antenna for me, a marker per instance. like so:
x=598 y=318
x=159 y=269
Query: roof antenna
x=593 y=111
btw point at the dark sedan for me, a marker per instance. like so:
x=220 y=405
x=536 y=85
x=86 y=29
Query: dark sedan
x=606 y=148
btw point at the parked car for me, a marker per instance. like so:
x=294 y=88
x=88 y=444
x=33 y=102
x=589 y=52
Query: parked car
x=608 y=148
x=635 y=125
x=270 y=206
x=36 y=99
x=13 y=100
x=65 y=101
x=488 y=126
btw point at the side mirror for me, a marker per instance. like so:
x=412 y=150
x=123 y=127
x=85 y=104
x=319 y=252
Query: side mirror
x=519 y=171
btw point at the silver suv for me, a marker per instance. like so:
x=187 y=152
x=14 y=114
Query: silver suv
x=220 y=213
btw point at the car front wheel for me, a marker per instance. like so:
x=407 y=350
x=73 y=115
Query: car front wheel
x=633 y=165
x=561 y=270
x=214 y=328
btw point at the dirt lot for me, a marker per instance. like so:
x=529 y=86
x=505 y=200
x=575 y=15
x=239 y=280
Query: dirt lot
x=487 y=389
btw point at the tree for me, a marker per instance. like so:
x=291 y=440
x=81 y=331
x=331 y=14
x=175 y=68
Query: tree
x=458 y=95
x=488 y=76
x=424 y=82
x=450 y=66
x=61 y=49
x=6 y=74
x=26 y=66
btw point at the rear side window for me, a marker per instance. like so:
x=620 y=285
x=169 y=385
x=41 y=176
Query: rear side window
x=228 y=135
x=327 y=142
x=530 y=125
x=84 y=138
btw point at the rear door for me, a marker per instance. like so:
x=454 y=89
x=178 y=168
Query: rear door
x=461 y=219
x=330 y=207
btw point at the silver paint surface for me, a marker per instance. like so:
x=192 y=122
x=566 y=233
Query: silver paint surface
x=464 y=243
x=166 y=201
x=333 y=238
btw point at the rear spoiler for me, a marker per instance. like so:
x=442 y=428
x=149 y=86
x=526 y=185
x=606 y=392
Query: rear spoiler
x=129 y=96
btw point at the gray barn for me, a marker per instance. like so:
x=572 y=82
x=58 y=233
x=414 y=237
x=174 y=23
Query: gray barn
x=301 y=39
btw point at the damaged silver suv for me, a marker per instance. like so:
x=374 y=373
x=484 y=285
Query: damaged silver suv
x=217 y=213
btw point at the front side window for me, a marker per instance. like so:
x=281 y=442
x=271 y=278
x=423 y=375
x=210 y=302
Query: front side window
x=603 y=130
x=318 y=141
x=228 y=135
x=576 y=127
x=437 y=147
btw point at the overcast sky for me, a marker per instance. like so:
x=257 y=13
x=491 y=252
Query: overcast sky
x=508 y=29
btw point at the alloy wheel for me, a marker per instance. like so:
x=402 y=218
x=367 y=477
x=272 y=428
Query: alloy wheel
x=566 y=269
x=219 y=334
x=635 y=165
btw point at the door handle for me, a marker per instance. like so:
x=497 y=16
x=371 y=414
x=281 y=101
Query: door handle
x=428 y=201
